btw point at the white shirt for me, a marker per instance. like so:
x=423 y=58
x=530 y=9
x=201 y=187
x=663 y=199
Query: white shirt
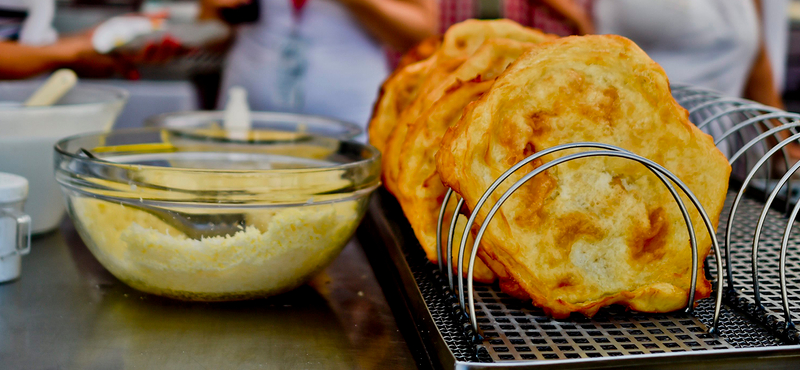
x=775 y=28
x=330 y=67
x=708 y=43
x=31 y=21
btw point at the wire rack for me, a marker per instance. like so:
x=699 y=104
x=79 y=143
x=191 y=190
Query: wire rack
x=756 y=295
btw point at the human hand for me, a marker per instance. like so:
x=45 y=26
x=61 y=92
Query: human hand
x=155 y=52
x=78 y=54
x=584 y=25
x=81 y=56
x=209 y=9
x=225 y=3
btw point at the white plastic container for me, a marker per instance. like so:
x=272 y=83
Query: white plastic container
x=28 y=134
x=15 y=232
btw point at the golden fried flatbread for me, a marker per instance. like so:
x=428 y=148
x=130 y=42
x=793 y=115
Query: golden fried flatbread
x=420 y=192
x=396 y=93
x=487 y=62
x=595 y=231
x=422 y=51
x=460 y=41
x=409 y=168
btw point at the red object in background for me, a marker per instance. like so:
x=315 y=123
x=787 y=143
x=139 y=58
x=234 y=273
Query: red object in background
x=530 y=13
x=298 y=7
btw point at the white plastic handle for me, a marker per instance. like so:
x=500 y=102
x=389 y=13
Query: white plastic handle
x=55 y=87
x=23 y=231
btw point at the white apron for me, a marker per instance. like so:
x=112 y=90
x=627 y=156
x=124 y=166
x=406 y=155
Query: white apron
x=325 y=64
x=708 y=43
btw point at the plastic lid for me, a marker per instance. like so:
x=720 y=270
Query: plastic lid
x=13 y=188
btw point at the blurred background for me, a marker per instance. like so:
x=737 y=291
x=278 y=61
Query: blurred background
x=189 y=74
x=791 y=81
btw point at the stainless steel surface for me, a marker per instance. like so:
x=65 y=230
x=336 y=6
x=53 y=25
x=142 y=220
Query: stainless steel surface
x=518 y=335
x=68 y=312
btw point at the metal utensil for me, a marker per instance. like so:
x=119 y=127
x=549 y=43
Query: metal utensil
x=55 y=87
x=193 y=225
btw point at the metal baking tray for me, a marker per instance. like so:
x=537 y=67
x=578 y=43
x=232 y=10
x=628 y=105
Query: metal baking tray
x=753 y=333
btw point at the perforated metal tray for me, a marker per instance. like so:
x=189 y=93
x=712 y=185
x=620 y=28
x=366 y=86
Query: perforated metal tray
x=515 y=334
x=518 y=335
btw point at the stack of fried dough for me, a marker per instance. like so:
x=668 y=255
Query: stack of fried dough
x=587 y=233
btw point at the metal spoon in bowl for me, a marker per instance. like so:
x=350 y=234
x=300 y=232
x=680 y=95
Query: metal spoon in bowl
x=193 y=225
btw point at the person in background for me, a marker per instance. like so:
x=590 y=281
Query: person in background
x=560 y=17
x=709 y=43
x=29 y=46
x=775 y=29
x=323 y=57
x=716 y=44
x=18 y=60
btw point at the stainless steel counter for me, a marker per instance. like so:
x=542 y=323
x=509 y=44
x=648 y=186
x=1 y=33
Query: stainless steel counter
x=68 y=312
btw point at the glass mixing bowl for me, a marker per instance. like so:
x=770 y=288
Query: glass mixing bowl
x=214 y=215
x=274 y=121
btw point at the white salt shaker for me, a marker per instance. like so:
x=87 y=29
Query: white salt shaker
x=15 y=226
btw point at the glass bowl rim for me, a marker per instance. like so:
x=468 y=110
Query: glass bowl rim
x=374 y=155
x=351 y=129
x=115 y=94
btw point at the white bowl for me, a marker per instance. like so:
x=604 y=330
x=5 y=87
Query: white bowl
x=28 y=134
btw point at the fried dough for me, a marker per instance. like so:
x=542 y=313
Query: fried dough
x=408 y=162
x=487 y=62
x=596 y=231
x=396 y=93
x=420 y=192
x=460 y=41
x=422 y=51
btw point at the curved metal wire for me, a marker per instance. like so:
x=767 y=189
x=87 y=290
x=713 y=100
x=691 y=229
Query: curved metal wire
x=784 y=154
x=679 y=87
x=732 y=214
x=610 y=151
x=660 y=172
x=687 y=101
x=744 y=110
x=446 y=264
x=718 y=101
x=682 y=92
x=439 y=228
x=738 y=199
x=450 y=235
x=784 y=247
x=785 y=181
x=752 y=121
x=728 y=107
x=784 y=243
x=494 y=186
x=757 y=235
x=737 y=109
x=764 y=118
x=705 y=106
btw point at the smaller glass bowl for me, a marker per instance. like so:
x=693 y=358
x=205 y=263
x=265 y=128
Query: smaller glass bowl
x=271 y=121
x=27 y=136
x=229 y=216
